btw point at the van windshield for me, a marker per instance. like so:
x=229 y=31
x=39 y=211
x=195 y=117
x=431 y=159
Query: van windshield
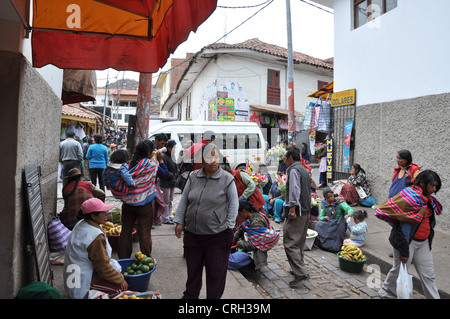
x=223 y=140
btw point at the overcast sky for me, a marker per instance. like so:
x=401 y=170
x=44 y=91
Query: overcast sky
x=312 y=30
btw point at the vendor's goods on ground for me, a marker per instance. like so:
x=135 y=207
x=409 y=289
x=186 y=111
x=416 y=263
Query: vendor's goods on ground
x=351 y=252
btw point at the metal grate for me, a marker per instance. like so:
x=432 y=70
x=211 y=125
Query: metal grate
x=340 y=115
x=33 y=196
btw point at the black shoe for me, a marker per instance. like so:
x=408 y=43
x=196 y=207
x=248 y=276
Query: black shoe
x=297 y=280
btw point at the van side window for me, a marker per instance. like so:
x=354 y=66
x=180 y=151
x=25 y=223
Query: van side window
x=253 y=141
x=241 y=141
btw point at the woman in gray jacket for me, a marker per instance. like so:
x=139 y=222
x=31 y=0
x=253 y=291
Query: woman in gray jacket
x=207 y=212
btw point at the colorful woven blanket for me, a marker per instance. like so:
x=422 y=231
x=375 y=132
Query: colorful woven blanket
x=144 y=176
x=263 y=238
x=334 y=206
x=408 y=206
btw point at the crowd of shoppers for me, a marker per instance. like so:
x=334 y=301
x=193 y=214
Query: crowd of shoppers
x=207 y=216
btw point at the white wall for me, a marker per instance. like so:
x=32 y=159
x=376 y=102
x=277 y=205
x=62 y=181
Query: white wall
x=251 y=75
x=402 y=54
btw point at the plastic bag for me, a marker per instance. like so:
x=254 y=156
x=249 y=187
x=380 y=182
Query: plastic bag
x=404 y=283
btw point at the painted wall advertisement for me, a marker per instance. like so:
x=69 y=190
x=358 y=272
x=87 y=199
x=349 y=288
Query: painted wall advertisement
x=225 y=109
x=347 y=138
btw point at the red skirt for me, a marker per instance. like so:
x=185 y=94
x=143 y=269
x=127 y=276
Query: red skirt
x=349 y=193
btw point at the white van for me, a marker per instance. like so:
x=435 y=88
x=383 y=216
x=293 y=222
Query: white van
x=239 y=142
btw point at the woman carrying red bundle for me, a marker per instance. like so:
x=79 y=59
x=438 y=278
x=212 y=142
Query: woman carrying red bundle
x=411 y=213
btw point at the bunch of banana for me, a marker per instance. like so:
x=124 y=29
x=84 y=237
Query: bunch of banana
x=351 y=252
x=112 y=229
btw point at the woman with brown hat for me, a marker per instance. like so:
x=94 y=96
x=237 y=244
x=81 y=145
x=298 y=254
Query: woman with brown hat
x=75 y=193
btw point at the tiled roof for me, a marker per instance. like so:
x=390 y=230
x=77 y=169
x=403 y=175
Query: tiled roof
x=78 y=111
x=259 y=46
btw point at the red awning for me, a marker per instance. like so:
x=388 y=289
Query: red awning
x=134 y=35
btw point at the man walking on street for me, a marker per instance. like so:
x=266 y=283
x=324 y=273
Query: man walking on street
x=70 y=155
x=297 y=208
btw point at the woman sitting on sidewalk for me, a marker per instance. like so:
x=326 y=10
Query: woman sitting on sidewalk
x=332 y=225
x=255 y=234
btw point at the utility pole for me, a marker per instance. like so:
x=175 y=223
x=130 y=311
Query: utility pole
x=143 y=107
x=291 y=113
x=106 y=102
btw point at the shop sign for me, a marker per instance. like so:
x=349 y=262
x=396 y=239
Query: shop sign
x=330 y=159
x=225 y=105
x=343 y=98
x=241 y=113
x=225 y=109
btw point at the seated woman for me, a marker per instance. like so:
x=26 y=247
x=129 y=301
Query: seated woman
x=332 y=225
x=255 y=234
x=357 y=179
x=75 y=193
x=88 y=263
x=275 y=201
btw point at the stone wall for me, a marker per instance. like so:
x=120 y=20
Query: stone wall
x=420 y=125
x=30 y=122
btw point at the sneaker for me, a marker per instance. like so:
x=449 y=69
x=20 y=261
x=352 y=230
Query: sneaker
x=170 y=222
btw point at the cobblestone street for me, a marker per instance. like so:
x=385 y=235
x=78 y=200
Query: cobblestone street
x=327 y=280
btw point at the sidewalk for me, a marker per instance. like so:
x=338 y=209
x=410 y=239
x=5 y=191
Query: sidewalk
x=378 y=248
x=170 y=276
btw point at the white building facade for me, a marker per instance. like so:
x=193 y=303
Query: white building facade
x=395 y=56
x=251 y=78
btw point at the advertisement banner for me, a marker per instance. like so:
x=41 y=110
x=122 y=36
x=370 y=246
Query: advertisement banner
x=347 y=137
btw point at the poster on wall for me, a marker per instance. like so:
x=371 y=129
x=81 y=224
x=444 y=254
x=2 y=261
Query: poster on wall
x=225 y=109
x=347 y=138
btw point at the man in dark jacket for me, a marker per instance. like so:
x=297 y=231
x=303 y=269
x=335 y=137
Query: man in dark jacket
x=167 y=184
x=297 y=208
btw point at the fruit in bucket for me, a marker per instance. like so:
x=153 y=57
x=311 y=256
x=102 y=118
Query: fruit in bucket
x=351 y=252
x=141 y=264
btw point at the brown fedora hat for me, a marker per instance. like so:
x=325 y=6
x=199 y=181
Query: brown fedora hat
x=73 y=172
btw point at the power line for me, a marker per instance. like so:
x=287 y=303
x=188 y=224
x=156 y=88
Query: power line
x=244 y=7
x=313 y=5
x=267 y=4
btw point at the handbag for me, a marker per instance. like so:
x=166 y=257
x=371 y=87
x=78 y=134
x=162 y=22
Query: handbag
x=404 y=283
x=185 y=170
x=182 y=180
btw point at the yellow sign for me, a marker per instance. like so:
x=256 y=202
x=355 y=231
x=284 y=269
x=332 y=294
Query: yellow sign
x=343 y=98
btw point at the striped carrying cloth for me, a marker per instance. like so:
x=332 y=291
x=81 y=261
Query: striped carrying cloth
x=408 y=206
x=144 y=176
x=263 y=238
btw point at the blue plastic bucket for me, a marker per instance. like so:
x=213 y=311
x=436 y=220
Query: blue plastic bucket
x=135 y=282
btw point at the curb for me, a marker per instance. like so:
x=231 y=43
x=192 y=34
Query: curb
x=385 y=266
